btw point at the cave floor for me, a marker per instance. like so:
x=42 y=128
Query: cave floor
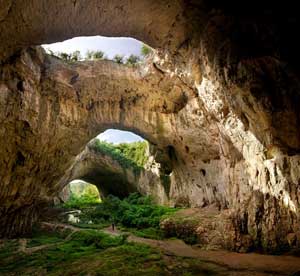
x=60 y=253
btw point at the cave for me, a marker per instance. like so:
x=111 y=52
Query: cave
x=78 y=188
x=218 y=99
x=120 y=163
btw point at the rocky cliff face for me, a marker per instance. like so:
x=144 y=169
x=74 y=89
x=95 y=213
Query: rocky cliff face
x=111 y=176
x=219 y=100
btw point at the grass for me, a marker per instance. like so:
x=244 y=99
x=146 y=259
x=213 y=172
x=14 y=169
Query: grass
x=128 y=155
x=81 y=244
x=95 y=253
x=40 y=237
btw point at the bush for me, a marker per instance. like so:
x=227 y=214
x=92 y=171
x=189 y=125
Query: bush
x=98 y=239
x=145 y=50
x=118 y=59
x=132 y=60
x=82 y=201
x=98 y=55
x=135 y=211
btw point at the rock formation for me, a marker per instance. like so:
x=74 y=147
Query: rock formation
x=219 y=100
x=111 y=176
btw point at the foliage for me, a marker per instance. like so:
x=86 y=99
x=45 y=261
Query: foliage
x=80 y=188
x=145 y=50
x=129 y=155
x=98 y=55
x=76 y=56
x=89 y=55
x=132 y=60
x=82 y=201
x=96 y=253
x=80 y=244
x=118 y=59
x=73 y=57
x=135 y=211
x=64 y=56
x=40 y=237
x=94 y=55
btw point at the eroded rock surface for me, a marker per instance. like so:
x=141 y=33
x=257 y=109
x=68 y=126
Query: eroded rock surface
x=220 y=100
x=111 y=176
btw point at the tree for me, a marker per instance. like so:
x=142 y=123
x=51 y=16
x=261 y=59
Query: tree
x=75 y=56
x=98 y=55
x=89 y=55
x=132 y=60
x=64 y=56
x=145 y=50
x=118 y=59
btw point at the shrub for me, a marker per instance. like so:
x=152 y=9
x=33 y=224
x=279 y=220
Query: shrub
x=89 y=55
x=75 y=56
x=98 y=55
x=132 y=60
x=145 y=50
x=64 y=56
x=118 y=59
x=135 y=211
x=98 y=239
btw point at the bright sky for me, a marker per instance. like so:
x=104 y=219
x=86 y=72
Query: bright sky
x=110 y=46
x=119 y=136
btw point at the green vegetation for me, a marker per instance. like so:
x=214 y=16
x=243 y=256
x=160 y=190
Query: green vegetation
x=94 y=55
x=40 y=237
x=97 y=55
x=132 y=60
x=145 y=50
x=129 y=155
x=136 y=214
x=98 y=254
x=83 y=201
x=80 y=244
x=118 y=59
x=82 y=195
x=80 y=188
x=75 y=56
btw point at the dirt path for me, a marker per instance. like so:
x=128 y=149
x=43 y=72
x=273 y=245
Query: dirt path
x=252 y=262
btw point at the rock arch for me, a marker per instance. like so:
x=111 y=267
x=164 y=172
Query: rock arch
x=111 y=176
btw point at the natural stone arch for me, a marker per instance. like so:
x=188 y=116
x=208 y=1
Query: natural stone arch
x=111 y=176
x=138 y=19
x=64 y=106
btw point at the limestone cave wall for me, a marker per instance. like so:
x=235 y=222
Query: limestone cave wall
x=219 y=99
